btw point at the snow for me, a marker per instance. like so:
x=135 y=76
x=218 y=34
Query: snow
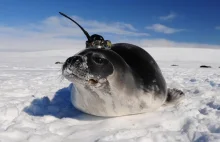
x=35 y=101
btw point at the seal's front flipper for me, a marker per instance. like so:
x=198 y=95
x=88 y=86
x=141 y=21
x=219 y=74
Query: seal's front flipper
x=174 y=96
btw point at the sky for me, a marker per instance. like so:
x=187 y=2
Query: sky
x=30 y=25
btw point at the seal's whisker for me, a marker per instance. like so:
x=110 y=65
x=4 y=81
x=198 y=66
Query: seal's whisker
x=60 y=78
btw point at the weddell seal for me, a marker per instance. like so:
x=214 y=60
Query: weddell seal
x=119 y=80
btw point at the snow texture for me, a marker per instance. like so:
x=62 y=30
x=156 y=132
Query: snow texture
x=35 y=101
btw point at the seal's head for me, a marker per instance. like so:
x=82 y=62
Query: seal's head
x=89 y=67
x=101 y=81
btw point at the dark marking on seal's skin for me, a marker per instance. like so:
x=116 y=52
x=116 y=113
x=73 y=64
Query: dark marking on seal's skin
x=97 y=63
x=105 y=89
x=143 y=65
x=114 y=108
x=143 y=105
x=93 y=93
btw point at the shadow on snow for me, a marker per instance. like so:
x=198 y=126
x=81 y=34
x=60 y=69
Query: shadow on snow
x=60 y=106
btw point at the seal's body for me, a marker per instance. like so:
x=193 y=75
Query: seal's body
x=123 y=80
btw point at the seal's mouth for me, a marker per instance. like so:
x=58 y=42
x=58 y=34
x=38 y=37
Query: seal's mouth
x=82 y=79
x=93 y=81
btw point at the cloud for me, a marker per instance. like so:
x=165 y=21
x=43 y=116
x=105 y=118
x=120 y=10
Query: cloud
x=168 y=17
x=57 y=32
x=163 y=29
x=217 y=28
x=161 y=42
x=168 y=43
x=59 y=26
x=63 y=25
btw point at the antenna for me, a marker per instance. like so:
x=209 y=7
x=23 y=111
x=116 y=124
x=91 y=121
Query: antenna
x=84 y=31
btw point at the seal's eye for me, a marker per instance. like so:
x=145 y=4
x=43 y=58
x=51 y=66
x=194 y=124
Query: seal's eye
x=99 y=60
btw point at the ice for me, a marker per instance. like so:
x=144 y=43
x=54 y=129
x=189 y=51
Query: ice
x=35 y=101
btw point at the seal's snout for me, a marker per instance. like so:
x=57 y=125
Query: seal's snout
x=75 y=67
x=74 y=61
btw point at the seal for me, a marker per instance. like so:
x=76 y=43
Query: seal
x=116 y=79
x=123 y=80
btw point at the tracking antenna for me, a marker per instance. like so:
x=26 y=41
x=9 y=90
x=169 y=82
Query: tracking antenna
x=85 y=32
x=93 y=41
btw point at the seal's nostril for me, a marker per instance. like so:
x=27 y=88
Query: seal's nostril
x=68 y=60
x=77 y=61
x=74 y=60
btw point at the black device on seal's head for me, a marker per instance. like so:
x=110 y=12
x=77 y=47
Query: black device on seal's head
x=94 y=41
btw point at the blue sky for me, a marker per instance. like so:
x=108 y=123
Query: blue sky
x=171 y=22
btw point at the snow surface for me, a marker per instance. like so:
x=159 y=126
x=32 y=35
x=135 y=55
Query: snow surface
x=35 y=101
